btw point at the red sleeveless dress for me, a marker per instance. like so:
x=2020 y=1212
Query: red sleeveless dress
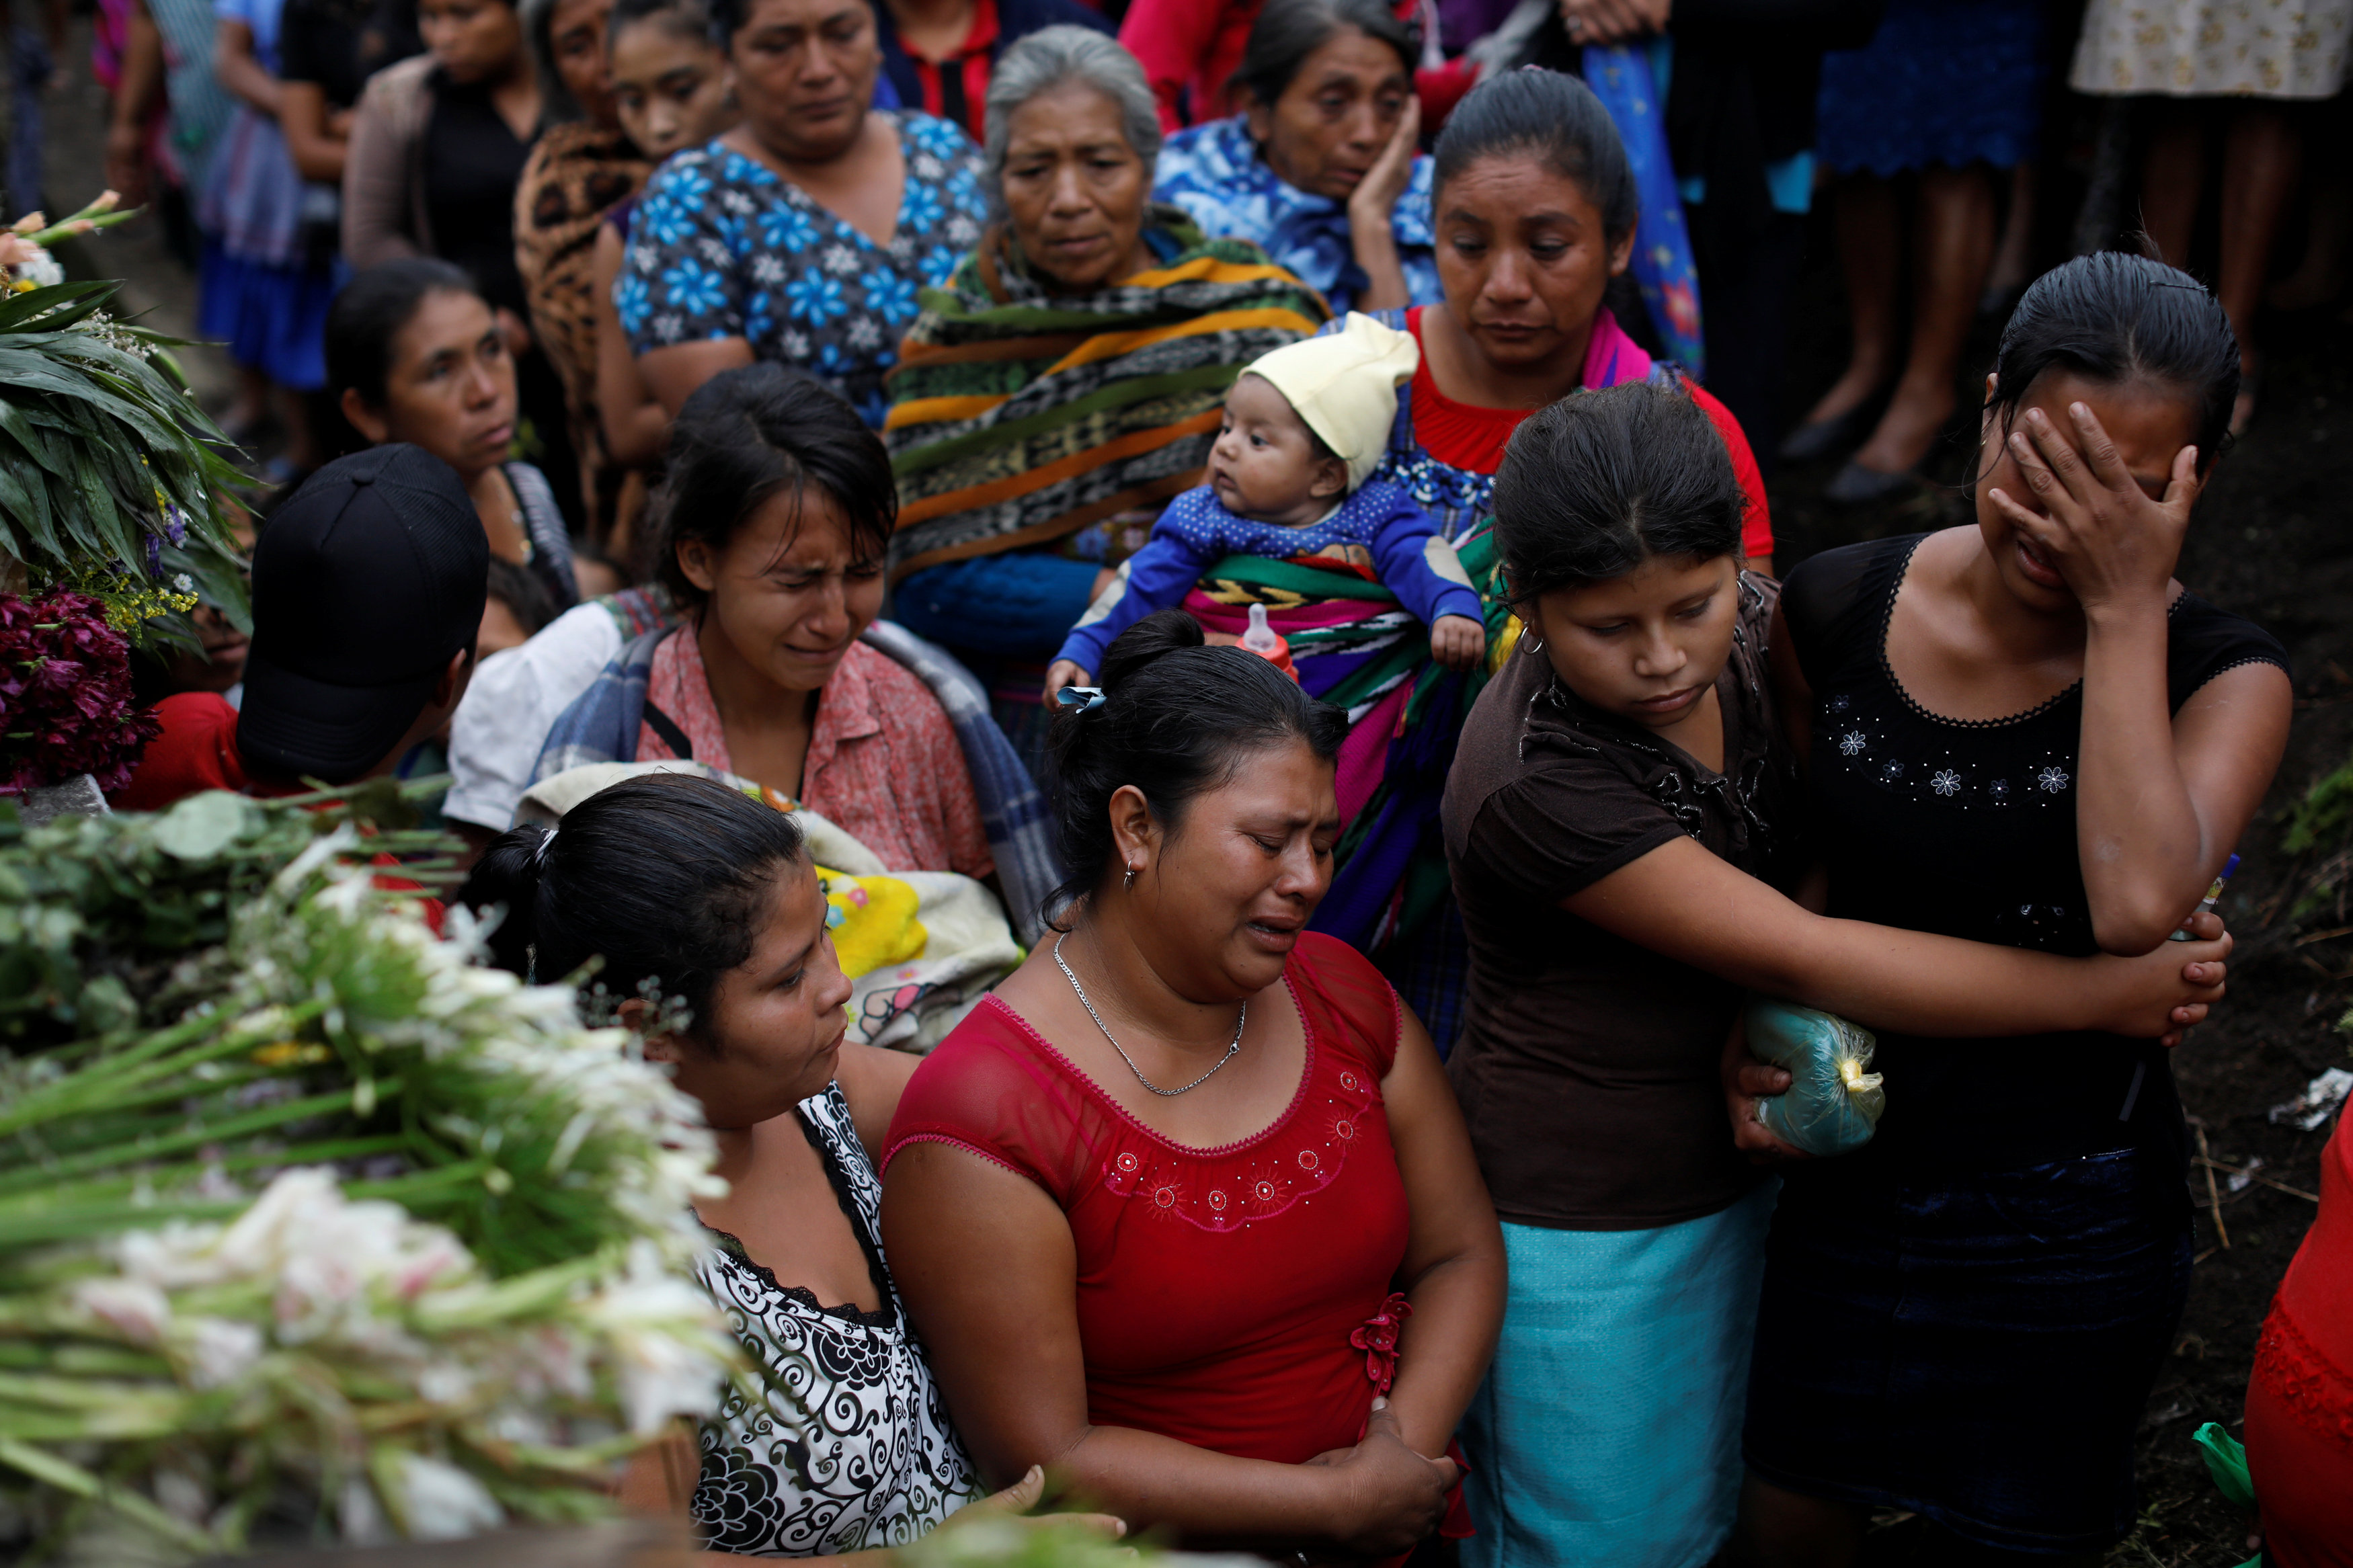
x=1235 y=1298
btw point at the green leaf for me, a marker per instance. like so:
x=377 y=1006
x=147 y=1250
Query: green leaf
x=78 y=300
x=202 y=825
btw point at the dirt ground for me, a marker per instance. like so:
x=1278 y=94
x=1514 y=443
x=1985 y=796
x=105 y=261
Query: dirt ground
x=2273 y=540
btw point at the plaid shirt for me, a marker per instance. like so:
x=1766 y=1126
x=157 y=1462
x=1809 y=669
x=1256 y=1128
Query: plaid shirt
x=883 y=763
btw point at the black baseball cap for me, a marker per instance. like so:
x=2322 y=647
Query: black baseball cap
x=365 y=581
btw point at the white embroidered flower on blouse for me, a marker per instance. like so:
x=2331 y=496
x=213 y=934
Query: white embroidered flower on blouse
x=2051 y=779
x=1850 y=744
x=1946 y=782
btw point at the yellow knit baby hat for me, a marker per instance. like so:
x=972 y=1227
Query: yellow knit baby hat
x=1344 y=385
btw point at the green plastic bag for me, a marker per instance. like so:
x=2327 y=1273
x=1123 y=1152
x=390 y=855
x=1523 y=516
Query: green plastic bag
x=1834 y=1100
x=2226 y=1462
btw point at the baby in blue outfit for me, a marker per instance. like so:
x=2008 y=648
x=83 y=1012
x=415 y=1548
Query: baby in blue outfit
x=1303 y=427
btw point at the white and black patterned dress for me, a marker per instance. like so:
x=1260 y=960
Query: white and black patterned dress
x=851 y=1447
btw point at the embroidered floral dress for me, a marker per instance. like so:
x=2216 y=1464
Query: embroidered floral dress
x=1216 y=174
x=723 y=246
x=849 y=1447
x=1237 y=1299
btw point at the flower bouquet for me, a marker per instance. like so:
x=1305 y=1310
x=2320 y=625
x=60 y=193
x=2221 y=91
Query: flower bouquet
x=111 y=477
x=309 y=1226
x=67 y=706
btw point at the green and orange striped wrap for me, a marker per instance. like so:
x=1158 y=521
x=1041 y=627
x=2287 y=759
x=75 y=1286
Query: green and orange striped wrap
x=1018 y=417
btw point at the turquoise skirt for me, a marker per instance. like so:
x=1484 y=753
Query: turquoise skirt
x=1607 y=1431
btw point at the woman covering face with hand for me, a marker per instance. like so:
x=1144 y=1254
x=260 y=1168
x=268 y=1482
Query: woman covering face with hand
x=706 y=897
x=2026 y=732
x=1185 y=1207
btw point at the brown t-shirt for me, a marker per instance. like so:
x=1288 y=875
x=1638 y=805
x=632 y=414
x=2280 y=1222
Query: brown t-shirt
x=1587 y=1066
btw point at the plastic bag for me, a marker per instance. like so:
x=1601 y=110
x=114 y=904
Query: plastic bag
x=1834 y=1100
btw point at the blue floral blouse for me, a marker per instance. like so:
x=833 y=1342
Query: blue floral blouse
x=1214 y=172
x=722 y=247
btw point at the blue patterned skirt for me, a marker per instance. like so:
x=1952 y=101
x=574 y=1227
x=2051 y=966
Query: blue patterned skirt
x=1948 y=82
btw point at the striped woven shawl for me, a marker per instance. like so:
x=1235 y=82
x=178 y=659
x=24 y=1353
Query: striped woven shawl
x=1018 y=417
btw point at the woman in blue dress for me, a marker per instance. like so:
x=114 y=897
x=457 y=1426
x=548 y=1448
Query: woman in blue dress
x=269 y=266
x=802 y=235
x=1320 y=171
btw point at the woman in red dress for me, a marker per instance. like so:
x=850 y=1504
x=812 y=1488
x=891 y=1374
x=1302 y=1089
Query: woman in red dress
x=1186 y=1210
x=2300 y=1402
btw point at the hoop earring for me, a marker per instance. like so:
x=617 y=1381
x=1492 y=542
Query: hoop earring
x=1127 y=884
x=1531 y=644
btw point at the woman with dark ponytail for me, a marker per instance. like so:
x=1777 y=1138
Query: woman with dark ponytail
x=711 y=928
x=1185 y=1207
x=2028 y=733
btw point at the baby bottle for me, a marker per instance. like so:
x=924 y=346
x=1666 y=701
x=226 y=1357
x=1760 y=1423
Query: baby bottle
x=1264 y=641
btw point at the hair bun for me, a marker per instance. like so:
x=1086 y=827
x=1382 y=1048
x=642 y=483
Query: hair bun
x=1160 y=633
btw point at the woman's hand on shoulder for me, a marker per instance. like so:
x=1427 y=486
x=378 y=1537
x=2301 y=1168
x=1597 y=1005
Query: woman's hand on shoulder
x=2115 y=546
x=1064 y=672
x=2160 y=995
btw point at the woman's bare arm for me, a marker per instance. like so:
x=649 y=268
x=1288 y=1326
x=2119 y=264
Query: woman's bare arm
x=236 y=67
x=1682 y=901
x=303 y=115
x=1453 y=1271
x=673 y=372
x=985 y=1263
x=871 y=1082
x=636 y=425
x=2160 y=798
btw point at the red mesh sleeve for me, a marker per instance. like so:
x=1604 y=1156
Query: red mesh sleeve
x=1757 y=522
x=1358 y=1002
x=990 y=1091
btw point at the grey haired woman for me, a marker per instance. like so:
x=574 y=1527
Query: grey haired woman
x=1012 y=517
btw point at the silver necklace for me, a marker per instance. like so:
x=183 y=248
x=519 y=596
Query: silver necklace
x=1166 y=1093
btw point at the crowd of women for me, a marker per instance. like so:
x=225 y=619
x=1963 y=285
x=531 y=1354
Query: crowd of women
x=866 y=344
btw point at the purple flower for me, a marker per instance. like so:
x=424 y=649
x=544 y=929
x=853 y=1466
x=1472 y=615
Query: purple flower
x=66 y=702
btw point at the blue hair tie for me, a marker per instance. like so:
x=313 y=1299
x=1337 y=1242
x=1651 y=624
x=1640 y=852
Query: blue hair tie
x=1085 y=698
